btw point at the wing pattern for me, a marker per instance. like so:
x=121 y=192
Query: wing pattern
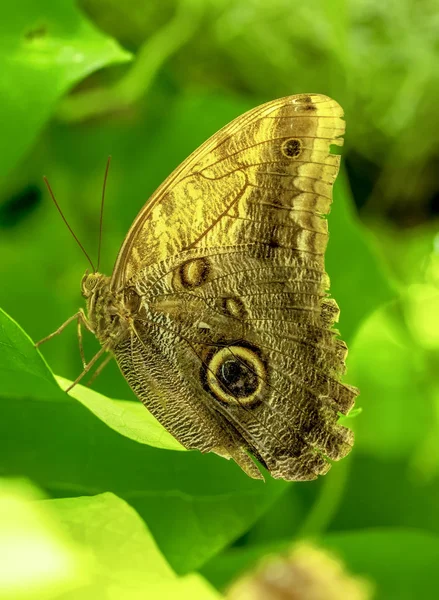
x=232 y=346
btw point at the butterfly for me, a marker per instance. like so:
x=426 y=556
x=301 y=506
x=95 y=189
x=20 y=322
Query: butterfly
x=217 y=311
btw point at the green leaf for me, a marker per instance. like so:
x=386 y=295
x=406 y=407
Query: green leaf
x=38 y=558
x=46 y=47
x=130 y=419
x=194 y=504
x=81 y=549
x=23 y=371
x=128 y=563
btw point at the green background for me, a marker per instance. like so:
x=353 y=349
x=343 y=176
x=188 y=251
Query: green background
x=147 y=82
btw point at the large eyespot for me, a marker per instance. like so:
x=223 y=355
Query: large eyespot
x=236 y=375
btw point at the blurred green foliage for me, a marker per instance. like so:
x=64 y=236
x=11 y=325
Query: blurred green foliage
x=88 y=547
x=69 y=97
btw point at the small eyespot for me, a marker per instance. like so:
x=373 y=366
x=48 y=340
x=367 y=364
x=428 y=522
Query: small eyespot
x=236 y=375
x=305 y=104
x=292 y=148
x=232 y=307
x=192 y=273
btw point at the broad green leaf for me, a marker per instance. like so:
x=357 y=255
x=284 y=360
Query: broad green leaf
x=38 y=559
x=194 y=504
x=45 y=48
x=131 y=419
x=126 y=560
x=23 y=371
x=81 y=549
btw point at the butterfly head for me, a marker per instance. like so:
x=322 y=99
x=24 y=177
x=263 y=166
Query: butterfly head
x=100 y=304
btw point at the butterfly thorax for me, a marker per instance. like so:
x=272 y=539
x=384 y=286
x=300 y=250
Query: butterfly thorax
x=108 y=314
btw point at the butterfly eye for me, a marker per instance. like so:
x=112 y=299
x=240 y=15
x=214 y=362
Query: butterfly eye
x=236 y=375
x=88 y=284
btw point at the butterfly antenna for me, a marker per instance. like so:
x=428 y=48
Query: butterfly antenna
x=52 y=195
x=101 y=218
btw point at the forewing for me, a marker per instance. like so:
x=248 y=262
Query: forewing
x=251 y=169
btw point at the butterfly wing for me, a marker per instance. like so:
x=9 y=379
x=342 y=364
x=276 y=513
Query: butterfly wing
x=232 y=346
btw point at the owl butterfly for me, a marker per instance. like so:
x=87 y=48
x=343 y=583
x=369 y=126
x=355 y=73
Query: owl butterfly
x=217 y=310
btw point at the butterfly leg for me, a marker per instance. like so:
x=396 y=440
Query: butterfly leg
x=95 y=358
x=80 y=316
x=81 y=321
x=99 y=369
